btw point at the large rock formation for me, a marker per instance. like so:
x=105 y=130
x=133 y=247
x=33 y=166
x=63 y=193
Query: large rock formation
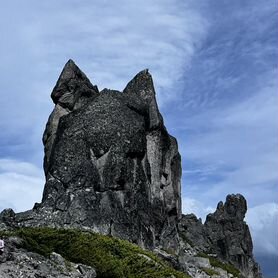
x=110 y=163
x=229 y=235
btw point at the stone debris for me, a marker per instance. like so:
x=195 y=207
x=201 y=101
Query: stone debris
x=16 y=262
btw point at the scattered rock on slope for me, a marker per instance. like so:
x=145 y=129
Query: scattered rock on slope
x=16 y=262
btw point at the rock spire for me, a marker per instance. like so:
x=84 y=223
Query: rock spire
x=110 y=163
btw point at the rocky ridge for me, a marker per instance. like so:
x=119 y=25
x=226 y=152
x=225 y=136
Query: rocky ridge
x=112 y=167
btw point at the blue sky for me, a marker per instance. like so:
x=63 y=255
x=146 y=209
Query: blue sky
x=214 y=65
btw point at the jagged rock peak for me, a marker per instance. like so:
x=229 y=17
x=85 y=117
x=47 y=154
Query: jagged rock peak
x=72 y=91
x=112 y=167
x=234 y=207
x=225 y=235
x=71 y=85
x=229 y=235
x=142 y=86
x=70 y=70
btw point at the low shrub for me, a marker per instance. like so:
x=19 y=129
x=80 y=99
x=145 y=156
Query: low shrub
x=111 y=257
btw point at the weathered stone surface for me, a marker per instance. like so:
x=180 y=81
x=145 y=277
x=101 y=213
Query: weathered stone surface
x=110 y=163
x=72 y=91
x=193 y=232
x=224 y=236
x=16 y=262
x=229 y=235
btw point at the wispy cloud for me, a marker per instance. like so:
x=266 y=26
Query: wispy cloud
x=239 y=147
x=114 y=41
x=226 y=122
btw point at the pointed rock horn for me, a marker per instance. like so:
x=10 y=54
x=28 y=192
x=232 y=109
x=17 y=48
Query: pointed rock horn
x=71 y=79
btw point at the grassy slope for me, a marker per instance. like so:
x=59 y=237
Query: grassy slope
x=110 y=257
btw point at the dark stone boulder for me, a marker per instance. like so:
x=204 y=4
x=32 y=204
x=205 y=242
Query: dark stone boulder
x=7 y=219
x=229 y=235
x=110 y=163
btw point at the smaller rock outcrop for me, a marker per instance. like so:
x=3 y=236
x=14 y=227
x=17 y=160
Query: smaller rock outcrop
x=224 y=236
x=229 y=236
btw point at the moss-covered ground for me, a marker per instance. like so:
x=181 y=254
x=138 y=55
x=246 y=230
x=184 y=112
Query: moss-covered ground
x=110 y=257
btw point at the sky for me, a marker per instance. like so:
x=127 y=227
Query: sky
x=214 y=65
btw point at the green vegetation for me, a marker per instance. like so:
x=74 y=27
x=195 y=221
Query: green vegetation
x=209 y=271
x=216 y=263
x=110 y=257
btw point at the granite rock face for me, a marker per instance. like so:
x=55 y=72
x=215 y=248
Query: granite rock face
x=224 y=235
x=110 y=163
x=192 y=231
x=72 y=90
x=229 y=235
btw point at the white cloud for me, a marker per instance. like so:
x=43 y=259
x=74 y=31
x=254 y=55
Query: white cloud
x=112 y=42
x=21 y=185
x=235 y=149
x=263 y=223
x=19 y=167
x=190 y=205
